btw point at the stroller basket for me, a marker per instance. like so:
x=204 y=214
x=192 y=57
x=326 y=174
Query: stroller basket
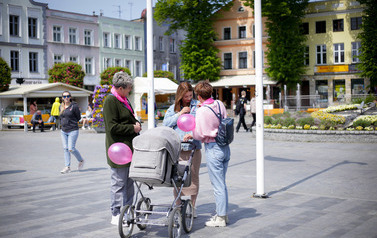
x=156 y=154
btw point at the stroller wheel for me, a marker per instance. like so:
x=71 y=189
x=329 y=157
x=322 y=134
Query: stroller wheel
x=143 y=205
x=187 y=215
x=175 y=223
x=126 y=221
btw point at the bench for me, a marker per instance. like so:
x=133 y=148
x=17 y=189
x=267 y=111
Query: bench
x=45 y=117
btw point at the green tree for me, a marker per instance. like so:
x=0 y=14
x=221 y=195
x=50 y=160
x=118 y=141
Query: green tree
x=69 y=73
x=108 y=74
x=5 y=75
x=285 y=54
x=162 y=74
x=199 y=55
x=368 y=36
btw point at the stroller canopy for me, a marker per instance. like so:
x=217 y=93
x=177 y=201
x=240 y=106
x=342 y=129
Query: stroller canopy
x=157 y=139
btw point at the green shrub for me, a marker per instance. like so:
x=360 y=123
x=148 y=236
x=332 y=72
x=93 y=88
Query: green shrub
x=5 y=75
x=288 y=121
x=367 y=99
x=69 y=73
x=278 y=115
x=277 y=121
x=267 y=120
x=362 y=123
x=327 y=124
x=108 y=74
x=305 y=121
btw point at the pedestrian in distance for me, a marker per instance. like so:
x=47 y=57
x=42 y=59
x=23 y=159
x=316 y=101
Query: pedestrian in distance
x=37 y=120
x=217 y=157
x=185 y=103
x=33 y=107
x=253 y=112
x=241 y=105
x=69 y=117
x=55 y=112
x=122 y=126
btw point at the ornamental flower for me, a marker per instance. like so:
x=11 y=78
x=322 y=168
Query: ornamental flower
x=306 y=127
x=100 y=93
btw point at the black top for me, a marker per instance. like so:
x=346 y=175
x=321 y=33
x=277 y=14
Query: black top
x=243 y=101
x=69 y=118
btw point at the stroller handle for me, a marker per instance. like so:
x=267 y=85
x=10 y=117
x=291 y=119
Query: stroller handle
x=190 y=143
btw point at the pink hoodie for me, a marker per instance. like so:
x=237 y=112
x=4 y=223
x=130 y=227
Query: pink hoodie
x=207 y=123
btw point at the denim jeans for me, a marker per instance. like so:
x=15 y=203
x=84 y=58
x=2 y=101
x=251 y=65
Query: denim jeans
x=217 y=163
x=69 y=141
x=122 y=189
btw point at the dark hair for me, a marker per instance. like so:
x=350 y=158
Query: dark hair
x=182 y=89
x=204 y=89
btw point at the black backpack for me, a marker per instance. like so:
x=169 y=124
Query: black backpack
x=238 y=107
x=225 y=134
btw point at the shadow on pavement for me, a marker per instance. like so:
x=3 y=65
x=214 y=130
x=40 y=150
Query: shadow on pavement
x=12 y=172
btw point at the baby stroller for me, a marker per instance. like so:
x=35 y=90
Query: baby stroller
x=155 y=163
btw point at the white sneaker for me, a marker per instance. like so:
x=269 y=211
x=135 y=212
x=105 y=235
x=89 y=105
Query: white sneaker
x=81 y=165
x=216 y=221
x=65 y=170
x=115 y=220
x=83 y=127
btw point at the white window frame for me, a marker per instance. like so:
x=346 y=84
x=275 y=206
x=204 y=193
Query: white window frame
x=239 y=59
x=239 y=28
x=57 y=33
x=128 y=65
x=322 y=53
x=34 y=62
x=117 y=41
x=127 y=42
x=15 y=60
x=74 y=58
x=339 y=53
x=73 y=39
x=172 y=44
x=106 y=40
x=34 y=26
x=306 y=55
x=58 y=58
x=231 y=60
x=138 y=68
x=89 y=66
x=15 y=26
x=106 y=63
x=355 y=51
x=230 y=32
x=138 y=45
x=88 y=37
x=161 y=44
x=117 y=62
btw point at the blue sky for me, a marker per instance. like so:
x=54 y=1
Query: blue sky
x=110 y=8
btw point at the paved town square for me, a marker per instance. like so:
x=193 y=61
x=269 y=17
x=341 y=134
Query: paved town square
x=315 y=190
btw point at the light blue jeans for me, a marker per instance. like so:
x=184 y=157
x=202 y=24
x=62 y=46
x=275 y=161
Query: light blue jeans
x=122 y=189
x=69 y=141
x=217 y=163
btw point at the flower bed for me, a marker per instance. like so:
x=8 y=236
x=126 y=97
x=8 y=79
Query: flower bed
x=99 y=95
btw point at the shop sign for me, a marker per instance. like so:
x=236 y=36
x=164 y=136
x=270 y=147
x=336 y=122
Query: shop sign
x=331 y=69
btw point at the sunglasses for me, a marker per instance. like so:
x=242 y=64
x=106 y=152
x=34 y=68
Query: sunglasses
x=66 y=96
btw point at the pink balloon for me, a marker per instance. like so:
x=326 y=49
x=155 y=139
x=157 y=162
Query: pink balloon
x=186 y=122
x=120 y=153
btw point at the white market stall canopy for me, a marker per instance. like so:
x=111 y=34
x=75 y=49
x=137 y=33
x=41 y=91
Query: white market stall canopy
x=239 y=81
x=141 y=86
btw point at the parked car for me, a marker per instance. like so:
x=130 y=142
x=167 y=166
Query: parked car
x=14 y=115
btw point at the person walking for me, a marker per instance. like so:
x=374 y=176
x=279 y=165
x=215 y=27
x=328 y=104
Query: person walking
x=242 y=101
x=184 y=103
x=69 y=117
x=217 y=157
x=253 y=112
x=122 y=126
x=55 y=112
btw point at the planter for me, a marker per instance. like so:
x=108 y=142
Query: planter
x=99 y=129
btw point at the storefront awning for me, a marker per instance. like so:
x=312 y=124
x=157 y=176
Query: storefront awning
x=239 y=81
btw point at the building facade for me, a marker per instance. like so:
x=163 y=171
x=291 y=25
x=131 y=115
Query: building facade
x=121 y=44
x=332 y=51
x=23 y=39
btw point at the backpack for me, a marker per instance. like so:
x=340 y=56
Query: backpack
x=238 y=107
x=225 y=134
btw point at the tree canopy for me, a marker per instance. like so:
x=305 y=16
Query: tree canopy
x=69 y=73
x=368 y=36
x=5 y=75
x=199 y=55
x=285 y=54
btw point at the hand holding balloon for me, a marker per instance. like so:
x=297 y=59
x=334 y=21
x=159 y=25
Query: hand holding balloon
x=120 y=153
x=186 y=122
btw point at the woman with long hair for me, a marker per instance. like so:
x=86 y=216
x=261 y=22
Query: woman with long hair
x=69 y=117
x=184 y=103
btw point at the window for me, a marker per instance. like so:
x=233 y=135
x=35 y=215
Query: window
x=13 y=25
x=88 y=66
x=322 y=87
x=107 y=63
x=320 y=27
x=242 y=60
x=128 y=64
x=118 y=63
x=14 y=60
x=88 y=37
x=127 y=42
x=117 y=41
x=227 y=60
x=33 y=62
x=32 y=27
x=58 y=59
x=356 y=51
x=356 y=23
x=337 y=25
x=57 y=33
x=154 y=43
x=357 y=86
x=161 y=43
x=254 y=62
x=305 y=28
x=339 y=90
x=138 y=68
x=227 y=33
x=137 y=43
x=242 y=32
x=306 y=55
x=72 y=36
x=172 y=45
x=73 y=59
x=241 y=9
x=106 y=39
x=339 y=53
x=321 y=54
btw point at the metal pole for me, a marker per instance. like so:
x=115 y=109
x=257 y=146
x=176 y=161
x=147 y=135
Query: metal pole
x=259 y=100
x=151 y=99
